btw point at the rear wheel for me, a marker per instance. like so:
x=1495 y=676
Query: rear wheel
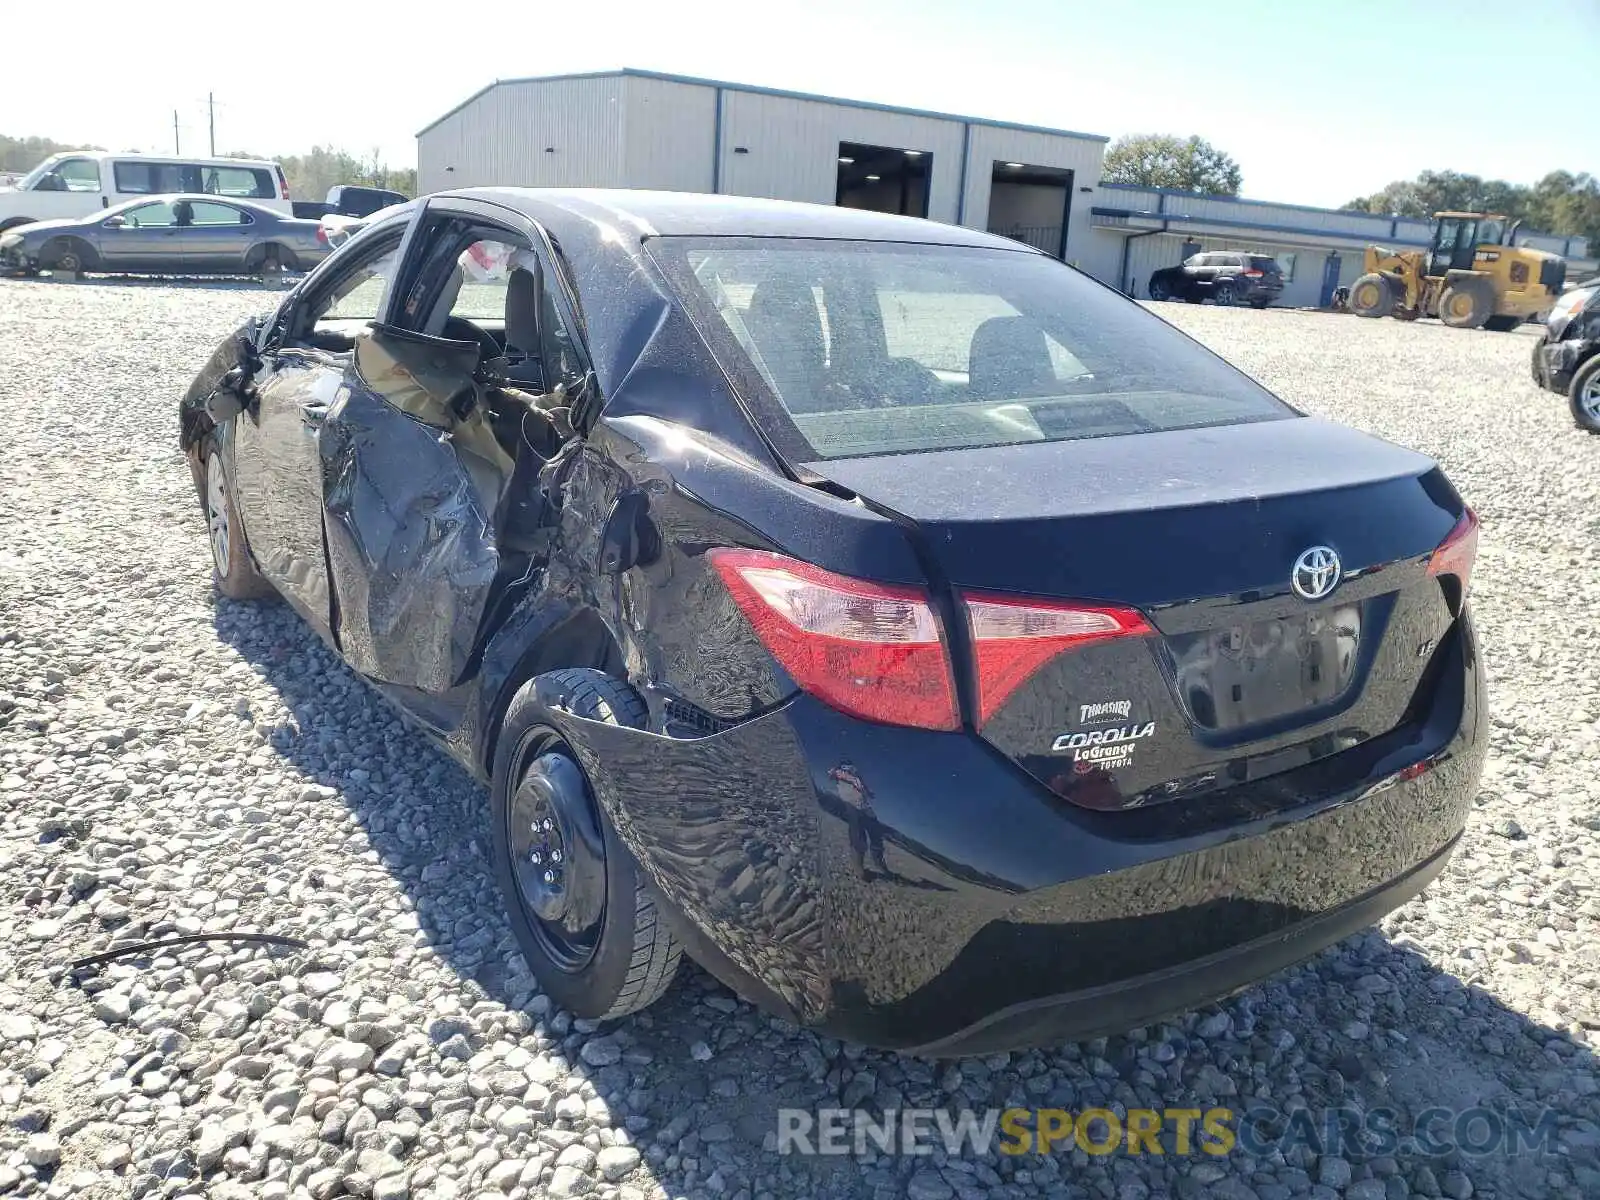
x=1223 y=293
x=1259 y=303
x=1372 y=296
x=1584 y=395
x=235 y=575
x=1464 y=306
x=584 y=919
x=274 y=259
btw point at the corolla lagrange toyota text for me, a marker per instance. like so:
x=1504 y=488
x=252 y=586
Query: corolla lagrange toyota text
x=767 y=561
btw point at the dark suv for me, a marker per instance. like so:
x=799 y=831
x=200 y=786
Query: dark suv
x=1223 y=277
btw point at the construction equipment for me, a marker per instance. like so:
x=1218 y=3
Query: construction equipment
x=1471 y=275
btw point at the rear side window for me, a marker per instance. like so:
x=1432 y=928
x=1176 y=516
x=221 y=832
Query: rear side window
x=202 y=213
x=851 y=348
x=251 y=183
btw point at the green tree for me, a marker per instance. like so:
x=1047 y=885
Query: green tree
x=1560 y=203
x=26 y=153
x=1189 y=164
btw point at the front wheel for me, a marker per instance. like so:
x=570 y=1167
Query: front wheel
x=1159 y=290
x=1372 y=296
x=67 y=255
x=235 y=575
x=1465 y=307
x=584 y=919
x=1584 y=395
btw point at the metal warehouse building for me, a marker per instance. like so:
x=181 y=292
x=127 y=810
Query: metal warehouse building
x=1138 y=230
x=644 y=129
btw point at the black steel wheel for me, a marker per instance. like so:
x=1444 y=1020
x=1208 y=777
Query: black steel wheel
x=584 y=917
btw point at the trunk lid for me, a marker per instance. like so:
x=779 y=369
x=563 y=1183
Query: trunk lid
x=1200 y=530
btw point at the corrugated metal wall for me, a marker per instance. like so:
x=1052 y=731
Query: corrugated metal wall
x=792 y=147
x=1082 y=156
x=501 y=137
x=669 y=131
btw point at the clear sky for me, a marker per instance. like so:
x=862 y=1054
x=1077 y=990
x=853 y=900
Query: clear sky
x=1319 y=100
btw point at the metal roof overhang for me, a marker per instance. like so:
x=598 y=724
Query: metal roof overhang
x=1135 y=221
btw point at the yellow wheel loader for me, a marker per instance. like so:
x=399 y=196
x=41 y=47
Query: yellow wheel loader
x=1470 y=276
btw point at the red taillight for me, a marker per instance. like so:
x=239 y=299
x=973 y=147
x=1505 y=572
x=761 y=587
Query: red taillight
x=322 y=234
x=874 y=650
x=283 y=184
x=1456 y=553
x=1252 y=274
x=1012 y=639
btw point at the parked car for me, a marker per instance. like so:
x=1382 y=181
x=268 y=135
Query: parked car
x=80 y=183
x=180 y=235
x=1567 y=357
x=1223 y=277
x=946 y=652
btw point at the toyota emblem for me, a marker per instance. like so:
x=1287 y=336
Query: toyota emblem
x=1316 y=573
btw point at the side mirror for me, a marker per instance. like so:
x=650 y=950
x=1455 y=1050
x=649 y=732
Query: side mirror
x=115 y=222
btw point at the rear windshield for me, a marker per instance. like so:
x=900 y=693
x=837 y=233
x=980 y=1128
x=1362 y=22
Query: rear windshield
x=1262 y=263
x=848 y=348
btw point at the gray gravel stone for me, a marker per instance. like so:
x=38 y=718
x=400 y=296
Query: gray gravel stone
x=173 y=763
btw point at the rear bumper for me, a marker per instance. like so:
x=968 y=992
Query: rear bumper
x=1119 y=1006
x=914 y=891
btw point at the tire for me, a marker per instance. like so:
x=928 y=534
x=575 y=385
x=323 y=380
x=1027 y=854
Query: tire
x=1584 y=395
x=273 y=259
x=1502 y=324
x=1372 y=296
x=1464 y=306
x=584 y=919
x=232 y=571
x=1258 y=305
x=1159 y=290
x=67 y=254
x=1536 y=361
x=1222 y=294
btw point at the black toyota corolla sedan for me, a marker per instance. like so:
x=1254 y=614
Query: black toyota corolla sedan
x=943 y=650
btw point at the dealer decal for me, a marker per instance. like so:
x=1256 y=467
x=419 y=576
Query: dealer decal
x=1107 y=749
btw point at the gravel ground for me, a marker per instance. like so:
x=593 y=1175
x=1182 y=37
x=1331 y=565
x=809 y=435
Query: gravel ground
x=172 y=764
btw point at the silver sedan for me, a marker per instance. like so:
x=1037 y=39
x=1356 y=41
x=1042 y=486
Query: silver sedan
x=172 y=235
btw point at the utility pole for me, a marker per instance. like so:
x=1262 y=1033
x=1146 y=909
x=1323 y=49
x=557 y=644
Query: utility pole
x=176 y=147
x=211 y=119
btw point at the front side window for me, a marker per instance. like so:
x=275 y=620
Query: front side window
x=71 y=175
x=158 y=214
x=359 y=294
x=850 y=348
